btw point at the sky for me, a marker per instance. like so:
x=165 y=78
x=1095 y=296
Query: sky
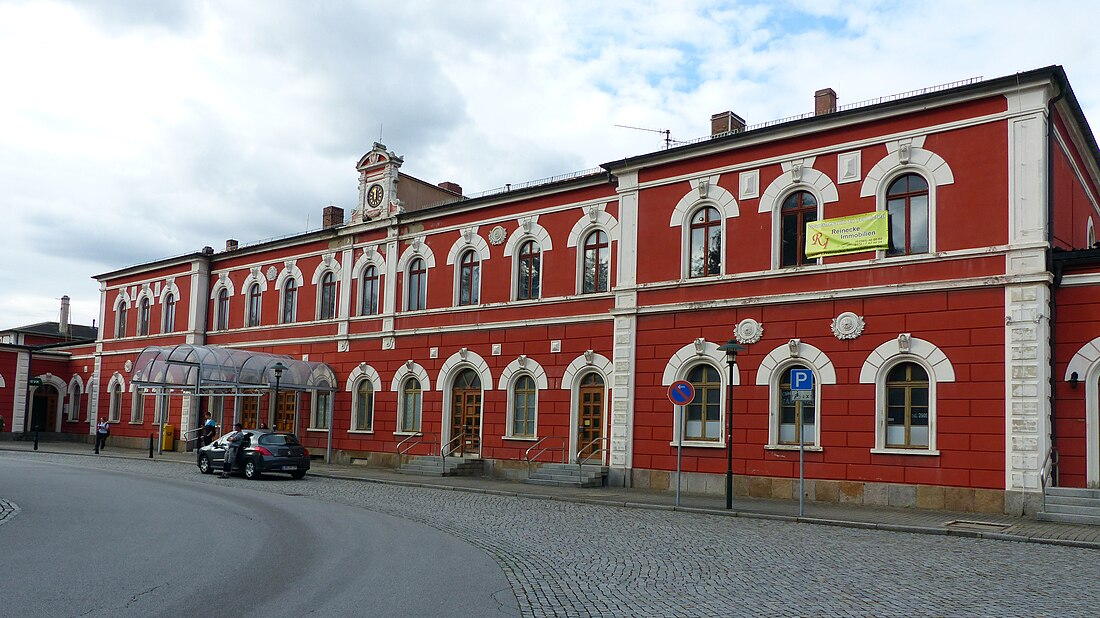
x=132 y=131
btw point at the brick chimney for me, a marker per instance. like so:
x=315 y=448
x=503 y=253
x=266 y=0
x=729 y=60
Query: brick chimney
x=824 y=102
x=332 y=216
x=450 y=186
x=231 y=245
x=726 y=122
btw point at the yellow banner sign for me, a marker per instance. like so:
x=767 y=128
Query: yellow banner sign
x=854 y=234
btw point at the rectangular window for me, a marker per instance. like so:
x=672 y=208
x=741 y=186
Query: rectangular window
x=321 y=410
x=788 y=419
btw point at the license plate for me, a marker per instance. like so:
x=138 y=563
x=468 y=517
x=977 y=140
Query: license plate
x=290 y=467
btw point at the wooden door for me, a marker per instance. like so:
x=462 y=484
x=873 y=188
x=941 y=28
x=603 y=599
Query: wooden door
x=590 y=417
x=466 y=414
x=250 y=411
x=285 y=411
x=44 y=409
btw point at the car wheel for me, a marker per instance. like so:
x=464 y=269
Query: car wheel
x=204 y=465
x=301 y=474
x=251 y=470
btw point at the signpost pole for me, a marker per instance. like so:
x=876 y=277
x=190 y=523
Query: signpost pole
x=679 y=449
x=801 y=463
x=680 y=393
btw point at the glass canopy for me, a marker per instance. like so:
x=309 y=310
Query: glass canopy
x=213 y=370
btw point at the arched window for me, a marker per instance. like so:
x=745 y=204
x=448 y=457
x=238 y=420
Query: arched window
x=74 y=403
x=524 y=403
x=469 y=278
x=169 y=313
x=115 y=411
x=328 y=297
x=528 y=275
x=254 y=305
x=596 y=269
x=703 y=420
x=364 y=406
x=120 y=324
x=322 y=407
x=368 y=289
x=791 y=408
x=706 y=242
x=799 y=209
x=417 y=285
x=907 y=203
x=222 y=310
x=907 y=407
x=411 y=402
x=290 y=301
x=143 y=317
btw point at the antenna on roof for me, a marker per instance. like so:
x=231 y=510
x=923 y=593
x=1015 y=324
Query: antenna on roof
x=666 y=132
x=380 y=133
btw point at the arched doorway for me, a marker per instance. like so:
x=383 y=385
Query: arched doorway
x=466 y=413
x=44 y=409
x=590 y=416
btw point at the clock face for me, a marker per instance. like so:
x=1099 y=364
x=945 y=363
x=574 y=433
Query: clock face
x=374 y=195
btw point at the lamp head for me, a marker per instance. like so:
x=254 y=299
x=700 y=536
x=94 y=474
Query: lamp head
x=731 y=348
x=278 y=368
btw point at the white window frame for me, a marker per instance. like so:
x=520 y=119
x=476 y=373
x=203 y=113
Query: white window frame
x=775 y=405
x=114 y=407
x=770 y=373
x=320 y=408
x=703 y=192
x=528 y=229
x=522 y=366
x=680 y=365
x=475 y=289
x=409 y=369
x=363 y=373
x=885 y=357
x=73 y=409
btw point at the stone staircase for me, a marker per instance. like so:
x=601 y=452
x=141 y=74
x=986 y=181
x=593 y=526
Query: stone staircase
x=569 y=475
x=1071 y=505
x=435 y=466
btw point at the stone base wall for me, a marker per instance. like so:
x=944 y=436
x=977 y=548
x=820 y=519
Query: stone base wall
x=507 y=469
x=852 y=492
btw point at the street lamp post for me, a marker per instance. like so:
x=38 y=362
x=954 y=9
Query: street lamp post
x=731 y=348
x=278 y=368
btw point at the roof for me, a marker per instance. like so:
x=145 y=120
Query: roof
x=53 y=329
x=214 y=370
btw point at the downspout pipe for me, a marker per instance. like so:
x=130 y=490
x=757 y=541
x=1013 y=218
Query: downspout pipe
x=1056 y=271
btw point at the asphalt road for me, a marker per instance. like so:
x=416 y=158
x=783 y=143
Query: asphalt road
x=100 y=542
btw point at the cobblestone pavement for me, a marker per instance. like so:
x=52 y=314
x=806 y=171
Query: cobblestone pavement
x=570 y=559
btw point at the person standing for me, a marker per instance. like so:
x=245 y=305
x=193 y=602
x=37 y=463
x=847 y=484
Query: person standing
x=209 y=428
x=102 y=430
x=232 y=446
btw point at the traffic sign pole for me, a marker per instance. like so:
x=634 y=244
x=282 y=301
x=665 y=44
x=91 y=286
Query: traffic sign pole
x=680 y=393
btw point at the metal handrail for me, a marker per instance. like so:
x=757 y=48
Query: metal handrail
x=530 y=458
x=1049 y=462
x=448 y=448
x=587 y=458
x=402 y=449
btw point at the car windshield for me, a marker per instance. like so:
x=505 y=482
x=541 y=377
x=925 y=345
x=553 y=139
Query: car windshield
x=279 y=439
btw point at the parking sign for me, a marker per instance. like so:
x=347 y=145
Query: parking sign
x=802 y=380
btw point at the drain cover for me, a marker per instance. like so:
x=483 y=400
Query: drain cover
x=981 y=526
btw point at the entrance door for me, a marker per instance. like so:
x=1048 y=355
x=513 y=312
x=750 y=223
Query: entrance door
x=590 y=417
x=285 y=411
x=250 y=411
x=466 y=414
x=44 y=409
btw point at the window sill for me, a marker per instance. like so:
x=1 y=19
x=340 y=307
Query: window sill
x=522 y=438
x=905 y=451
x=316 y=429
x=361 y=431
x=698 y=444
x=407 y=433
x=793 y=447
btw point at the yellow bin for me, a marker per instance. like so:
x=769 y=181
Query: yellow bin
x=168 y=438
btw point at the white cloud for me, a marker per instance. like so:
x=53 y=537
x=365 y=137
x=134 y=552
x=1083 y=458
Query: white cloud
x=136 y=130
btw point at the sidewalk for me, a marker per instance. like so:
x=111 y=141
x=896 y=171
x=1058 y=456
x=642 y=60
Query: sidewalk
x=975 y=525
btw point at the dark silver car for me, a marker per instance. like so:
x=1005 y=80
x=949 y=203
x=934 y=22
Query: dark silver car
x=263 y=451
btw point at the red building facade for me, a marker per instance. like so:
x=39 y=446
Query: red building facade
x=958 y=369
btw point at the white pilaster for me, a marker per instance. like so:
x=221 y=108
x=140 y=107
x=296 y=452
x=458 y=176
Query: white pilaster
x=1027 y=385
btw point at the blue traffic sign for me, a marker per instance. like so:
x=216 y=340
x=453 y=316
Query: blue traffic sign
x=681 y=392
x=802 y=380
